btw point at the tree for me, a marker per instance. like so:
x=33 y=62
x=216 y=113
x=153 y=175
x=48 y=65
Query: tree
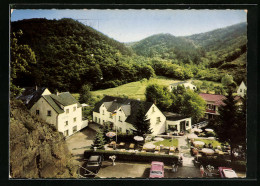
x=85 y=94
x=227 y=80
x=147 y=71
x=22 y=57
x=159 y=95
x=188 y=103
x=228 y=126
x=99 y=140
x=141 y=124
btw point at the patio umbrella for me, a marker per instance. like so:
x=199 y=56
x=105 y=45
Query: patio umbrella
x=197 y=130
x=149 y=146
x=158 y=139
x=138 y=138
x=207 y=151
x=191 y=136
x=198 y=143
x=209 y=130
x=110 y=134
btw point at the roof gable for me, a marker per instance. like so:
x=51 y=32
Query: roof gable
x=31 y=95
x=129 y=106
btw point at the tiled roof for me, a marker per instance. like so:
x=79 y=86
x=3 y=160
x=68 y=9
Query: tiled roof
x=174 y=116
x=129 y=106
x=215 y=98
x=31 y=95
x=64 y=98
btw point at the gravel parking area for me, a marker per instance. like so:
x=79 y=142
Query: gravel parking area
x=141 y=170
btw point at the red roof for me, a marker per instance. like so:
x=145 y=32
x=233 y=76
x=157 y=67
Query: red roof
x=215 y=98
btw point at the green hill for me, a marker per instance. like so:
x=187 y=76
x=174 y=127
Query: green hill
x=167 y=46
x=70 y=54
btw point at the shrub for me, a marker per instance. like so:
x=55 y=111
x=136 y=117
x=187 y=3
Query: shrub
x=210 y=134
x=221 y=162
x=127 y=156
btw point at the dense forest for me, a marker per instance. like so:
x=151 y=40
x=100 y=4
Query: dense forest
x=69 y=55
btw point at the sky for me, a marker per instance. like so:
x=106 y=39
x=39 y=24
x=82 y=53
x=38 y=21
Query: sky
x=135 y=25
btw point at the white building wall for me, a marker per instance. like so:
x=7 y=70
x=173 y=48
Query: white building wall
x=177 y=123
x=186 y=85
x=241 y=91
x=43 y=106
x=152 y=114
x=66 y=121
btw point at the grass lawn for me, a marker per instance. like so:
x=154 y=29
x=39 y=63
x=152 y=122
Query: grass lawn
x=214 y=143
x=134 y=90
x=168 y=142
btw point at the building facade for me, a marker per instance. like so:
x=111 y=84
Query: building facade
x=120 y=114
x=61 y=109
x=241 y=91
x=187 y=85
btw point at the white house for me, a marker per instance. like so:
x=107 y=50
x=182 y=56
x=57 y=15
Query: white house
x=177 y=122
x=61 y=109
x=121 y=114
x=241 y=91
x=183 y=83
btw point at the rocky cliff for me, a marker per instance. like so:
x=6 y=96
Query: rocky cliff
x=37 y=149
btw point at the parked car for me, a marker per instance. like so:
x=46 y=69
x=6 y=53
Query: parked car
x=226 y=172
x=94 y=163
x=157 y=169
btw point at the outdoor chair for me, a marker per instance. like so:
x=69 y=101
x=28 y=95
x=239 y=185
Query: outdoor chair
x=132 y=146
x=122 y=145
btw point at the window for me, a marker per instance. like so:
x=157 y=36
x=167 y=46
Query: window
x=193 y=88
x=153 y=109
x=119 y=118
x=103 y=112
x=240 y=90
x=66 y=132
x=66 y=123
x=74 y=108
x=67 y=111
x=103 y=121
x=74 y=119
x=120 y=129
x=110 y=115
x=37 y=112
x=74 y=129
x=172 y=127
x=187 y=123
x=158 y=120
x=99 y=120
x=96 y=119
x=127 y=131
x=49 y=113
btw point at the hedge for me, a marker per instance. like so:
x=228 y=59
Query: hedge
x=220 y=162
x=132 y=156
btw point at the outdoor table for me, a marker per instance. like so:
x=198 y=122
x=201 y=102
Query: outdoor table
x=207 y=151
x=198 y=143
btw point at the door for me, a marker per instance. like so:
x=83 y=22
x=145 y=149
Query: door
x=182 y=126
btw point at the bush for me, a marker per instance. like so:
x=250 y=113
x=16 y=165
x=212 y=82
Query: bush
x=127 y=156
x=210 y=134
x=221 y=162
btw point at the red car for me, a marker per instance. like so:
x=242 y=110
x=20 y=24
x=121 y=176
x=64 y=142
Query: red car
x=157 y=169
x=226 y=172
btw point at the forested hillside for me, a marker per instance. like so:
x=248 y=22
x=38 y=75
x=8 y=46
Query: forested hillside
x=70 y=54
x=224 y=49
x=167 y=46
